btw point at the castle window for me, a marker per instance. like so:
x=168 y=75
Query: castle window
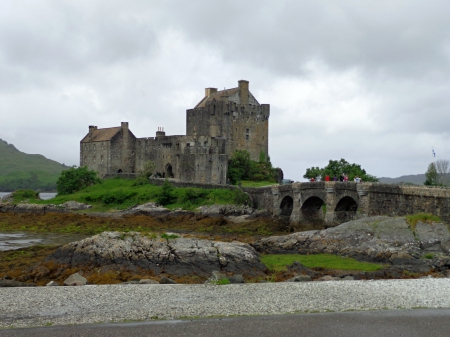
x=246 y=137
x=188 y=144
x=85 y=147
x=85 y=159
x=247 y=130
x=94 y=147
x=94 y=158
x=101 y=158
x=102 y=146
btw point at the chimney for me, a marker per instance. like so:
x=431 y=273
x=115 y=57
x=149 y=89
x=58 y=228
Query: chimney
x=160 y=132
x=210 y=91
x=243 y=91
x=91 y=130
x=124 y=125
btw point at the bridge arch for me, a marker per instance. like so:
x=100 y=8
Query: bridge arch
x=311 y=211
x=286 y=206
x=345 y=210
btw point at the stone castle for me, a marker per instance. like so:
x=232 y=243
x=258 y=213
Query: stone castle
x=221 y=123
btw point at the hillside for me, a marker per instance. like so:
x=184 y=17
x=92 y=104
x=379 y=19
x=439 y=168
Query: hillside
x=417 y=179
x=21 y=170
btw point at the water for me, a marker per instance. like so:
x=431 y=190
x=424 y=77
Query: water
x=18 y=240
x=43 y=196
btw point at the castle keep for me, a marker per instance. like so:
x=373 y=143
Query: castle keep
x=222 y=122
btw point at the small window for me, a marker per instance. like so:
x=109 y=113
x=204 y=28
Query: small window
x=94 y=159
x=188 y=144
x=85 y=159
x=247 y=130
x=101 y=158
x=246 y=137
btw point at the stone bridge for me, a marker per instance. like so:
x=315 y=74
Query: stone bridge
x=332 y=203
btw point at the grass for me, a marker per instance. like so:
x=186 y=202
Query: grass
x=423 y=217
x=119 y=194
x=246 y=183
x=279 y=262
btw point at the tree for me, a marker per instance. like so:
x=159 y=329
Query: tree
x=431 y=175
x=438 y=173
x=239 y=166
x=336 y=168
x=166 y=196
x=443 y=172
x=75 y=179
x=147 y=170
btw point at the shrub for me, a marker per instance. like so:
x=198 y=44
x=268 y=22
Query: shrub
x=166 y=196
x=194 y=195
x=75 y=179
x=22 y=195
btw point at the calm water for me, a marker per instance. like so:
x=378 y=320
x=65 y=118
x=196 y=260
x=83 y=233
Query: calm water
x=43 y=196
x=9 y=241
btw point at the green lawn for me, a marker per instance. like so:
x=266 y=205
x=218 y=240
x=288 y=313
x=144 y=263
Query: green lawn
x=279 y=262
x=247 y=183
x=119 y=194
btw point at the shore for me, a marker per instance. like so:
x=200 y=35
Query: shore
x=31 y=307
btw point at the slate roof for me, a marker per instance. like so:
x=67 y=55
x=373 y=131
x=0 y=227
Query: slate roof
x=100 y=135
x=221 y=95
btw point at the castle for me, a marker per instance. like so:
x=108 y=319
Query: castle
x=221 y=123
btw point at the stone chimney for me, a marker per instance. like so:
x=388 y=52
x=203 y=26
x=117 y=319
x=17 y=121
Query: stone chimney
x=160 y=132
x=210 y=91
x=91 y=130
x=243 y=91
x=124 y=126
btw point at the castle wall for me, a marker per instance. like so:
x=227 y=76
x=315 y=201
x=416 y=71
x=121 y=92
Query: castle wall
x=95 y=155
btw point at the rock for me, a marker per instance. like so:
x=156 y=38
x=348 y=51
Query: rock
x=150 y=208
x=328 y=278
x=181 y=256
x=236 y=279
x=75 y=206
x=347 y=278
x=52 y=284
x=377 y=239
x=14 y=283
x=299 y=278
x=166 y=280
x=75 y=280
x=445 y=246
x=226 y=210
x=148 y=281
x=215 y=277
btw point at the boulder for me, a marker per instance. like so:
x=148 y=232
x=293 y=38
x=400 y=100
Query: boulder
x=75 y=280
x=166 y=280
x=148 y=281
x=226 y=210
x=377 y=239
x=238 y=278
x=75 y=206
x=181 y=256
x=150 y=208
x=299 y=278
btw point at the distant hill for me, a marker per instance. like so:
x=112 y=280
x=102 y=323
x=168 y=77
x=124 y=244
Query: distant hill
x=416 y=179
x=20 y=170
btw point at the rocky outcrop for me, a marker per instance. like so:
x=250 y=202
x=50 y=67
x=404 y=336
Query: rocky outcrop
x=181 y=256
x=42 y=209
x=378 y=239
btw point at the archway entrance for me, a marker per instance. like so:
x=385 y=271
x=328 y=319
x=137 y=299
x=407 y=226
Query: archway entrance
x=169 y=173
x=312 y=212
x=345 y=210
x=286 y=206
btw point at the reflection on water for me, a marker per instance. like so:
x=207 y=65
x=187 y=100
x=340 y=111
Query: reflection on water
x=43 y=196
x=9 y=241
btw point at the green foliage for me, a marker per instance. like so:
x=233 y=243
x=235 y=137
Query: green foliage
x=242 y=168
x=431 y=175
x=145 y=173
x=25 y=195
x=248 y=183
x=423 y=217
x=75 y=179
x=166 y=196
x=222 y=281
x=117 y=197
x=169 y=236
x=241 y=198
x=19 y=170
x=429 y=256
x=279 y=262
x=336 y=168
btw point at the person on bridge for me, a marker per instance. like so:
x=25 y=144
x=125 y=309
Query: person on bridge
x=327 y=178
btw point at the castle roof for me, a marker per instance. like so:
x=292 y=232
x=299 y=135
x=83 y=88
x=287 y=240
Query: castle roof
x=99 y=135
x=222 y=95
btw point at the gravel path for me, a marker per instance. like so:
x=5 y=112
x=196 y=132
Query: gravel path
x=20 y=307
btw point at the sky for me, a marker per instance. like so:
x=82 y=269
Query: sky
x=367 y=81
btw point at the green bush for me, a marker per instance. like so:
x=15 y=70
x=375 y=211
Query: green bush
x=22 y=195
x=166 y=196
x=194 y=195
x=117 y=197
x=75 y=179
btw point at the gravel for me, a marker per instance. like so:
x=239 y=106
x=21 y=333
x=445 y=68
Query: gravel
x=40 y=306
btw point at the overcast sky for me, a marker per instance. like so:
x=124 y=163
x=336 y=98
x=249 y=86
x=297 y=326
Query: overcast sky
x=367 y=81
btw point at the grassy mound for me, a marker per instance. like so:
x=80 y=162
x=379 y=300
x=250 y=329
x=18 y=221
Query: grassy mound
x=119 y=194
